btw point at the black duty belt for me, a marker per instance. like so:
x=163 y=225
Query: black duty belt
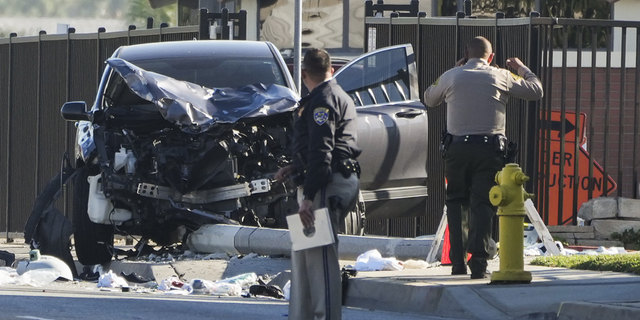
x=473 y=138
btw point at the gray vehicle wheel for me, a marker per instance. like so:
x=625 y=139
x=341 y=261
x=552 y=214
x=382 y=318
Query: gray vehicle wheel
x=93 y=242
x=354 y=222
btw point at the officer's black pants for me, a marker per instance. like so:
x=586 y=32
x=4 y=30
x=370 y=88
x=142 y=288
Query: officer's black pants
x=470 y=169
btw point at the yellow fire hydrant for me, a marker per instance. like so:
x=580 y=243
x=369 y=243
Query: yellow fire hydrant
x=509 y=196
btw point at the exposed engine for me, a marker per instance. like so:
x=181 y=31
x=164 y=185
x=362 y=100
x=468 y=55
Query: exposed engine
x=159 y=180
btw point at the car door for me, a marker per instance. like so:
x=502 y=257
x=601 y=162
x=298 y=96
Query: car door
x=392 y=131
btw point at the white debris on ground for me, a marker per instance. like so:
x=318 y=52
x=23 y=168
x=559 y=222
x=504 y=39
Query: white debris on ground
x=34 y=278
x=372 y=260
x=111 y=280
x=538 y=249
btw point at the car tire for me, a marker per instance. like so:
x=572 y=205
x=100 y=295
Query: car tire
x=93 y=241
x=354 y=222
x=47 y=229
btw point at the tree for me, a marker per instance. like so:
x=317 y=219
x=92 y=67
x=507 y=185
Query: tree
x=140 y=10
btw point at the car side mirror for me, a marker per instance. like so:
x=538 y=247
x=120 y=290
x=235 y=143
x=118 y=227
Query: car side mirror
x=75 y=111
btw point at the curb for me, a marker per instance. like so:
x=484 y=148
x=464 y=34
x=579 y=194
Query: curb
x=595 y=311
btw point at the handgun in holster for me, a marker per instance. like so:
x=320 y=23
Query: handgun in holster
x=347 y=167
x=500 y=143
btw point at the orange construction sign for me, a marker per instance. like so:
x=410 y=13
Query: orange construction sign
x=564 y=186
x=569 y=122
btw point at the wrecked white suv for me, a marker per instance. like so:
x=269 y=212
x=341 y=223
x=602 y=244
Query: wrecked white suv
x=184 y=134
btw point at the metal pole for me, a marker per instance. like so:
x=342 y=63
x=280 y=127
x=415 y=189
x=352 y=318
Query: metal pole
x=297 y=50
x=345 y=25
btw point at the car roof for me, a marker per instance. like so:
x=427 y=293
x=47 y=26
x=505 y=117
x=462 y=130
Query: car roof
x=196 y=48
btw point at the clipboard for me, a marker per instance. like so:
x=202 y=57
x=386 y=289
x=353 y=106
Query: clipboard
x=320 y=235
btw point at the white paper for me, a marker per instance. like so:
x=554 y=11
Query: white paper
x=323 y=234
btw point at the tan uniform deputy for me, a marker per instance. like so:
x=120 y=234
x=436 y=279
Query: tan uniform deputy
x=476 y=95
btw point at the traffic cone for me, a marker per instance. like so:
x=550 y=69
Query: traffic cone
x=446 y=247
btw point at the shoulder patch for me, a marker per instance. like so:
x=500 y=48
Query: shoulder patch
x=515 y=76
x=321 y=115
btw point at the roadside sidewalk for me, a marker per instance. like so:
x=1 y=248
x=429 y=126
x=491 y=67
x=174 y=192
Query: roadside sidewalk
x=582 y=294
x=554 y=293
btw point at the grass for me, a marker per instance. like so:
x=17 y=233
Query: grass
x=629 y=263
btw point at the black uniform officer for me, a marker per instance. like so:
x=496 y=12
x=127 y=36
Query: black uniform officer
x=324 y=151
x=476 y=95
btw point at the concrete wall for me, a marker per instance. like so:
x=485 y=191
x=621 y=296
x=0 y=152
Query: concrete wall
x=602 y=217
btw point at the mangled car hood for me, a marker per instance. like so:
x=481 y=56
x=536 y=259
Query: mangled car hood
x=194 y=108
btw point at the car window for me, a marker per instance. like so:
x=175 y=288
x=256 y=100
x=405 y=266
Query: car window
x=217 y=73
x=378 y=78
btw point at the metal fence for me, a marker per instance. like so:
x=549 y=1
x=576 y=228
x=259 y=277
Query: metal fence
x=590 y=105
x=584 y=130
x=37 y=75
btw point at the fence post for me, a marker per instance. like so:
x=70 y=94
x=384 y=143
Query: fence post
x=131 y=27
x=459 y=15
x=414 y=7
x=224 y=28
x=99 y=50
x=530 y=164
x=162 y=25
x=391 y=16
x=38 y=110
x=204 y=25
x=67 y=134
x=368 y=8
x=8 y=135
x=499 y=47
x=467 y=7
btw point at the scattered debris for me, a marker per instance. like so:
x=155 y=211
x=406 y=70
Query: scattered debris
x=174 y=285
x=7 y=258
x=44 y=262
x=416 y=264
x=286 y=291
x=266 y=290
x=372 y=261
x=111 y=280
x=538 y=249
x=34 y=278
x=346 y=273
x=134 y=277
